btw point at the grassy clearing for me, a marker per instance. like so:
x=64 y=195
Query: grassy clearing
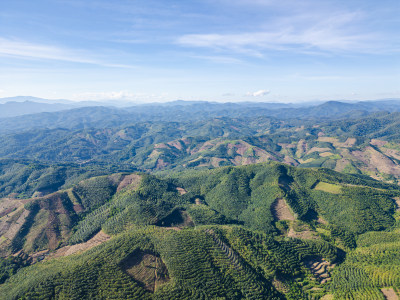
x=329 y=188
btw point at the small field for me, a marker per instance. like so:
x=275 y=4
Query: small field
x=329 y=188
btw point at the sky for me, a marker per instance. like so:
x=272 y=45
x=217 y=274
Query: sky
x=214 y=50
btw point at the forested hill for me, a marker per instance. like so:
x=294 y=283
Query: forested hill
x=201 y=201
x=366 y=146
x=264 y=231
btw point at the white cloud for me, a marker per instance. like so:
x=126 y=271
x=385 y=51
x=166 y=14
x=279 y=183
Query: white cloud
x=302 y=32
x=27 y=50
x=259 y=93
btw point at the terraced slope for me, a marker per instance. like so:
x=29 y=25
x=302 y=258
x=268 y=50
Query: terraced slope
x=230 y=241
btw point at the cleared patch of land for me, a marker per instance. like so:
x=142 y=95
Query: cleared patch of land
x=389 y=294
x=281 y=211
x=98 y=239
x=328 y=187
x=319 y=267
x=132 y=180
x=146 y=268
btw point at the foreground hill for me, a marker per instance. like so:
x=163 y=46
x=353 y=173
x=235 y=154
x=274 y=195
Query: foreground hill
x=265 y=231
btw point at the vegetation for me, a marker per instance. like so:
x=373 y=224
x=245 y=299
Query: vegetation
x=215 y=215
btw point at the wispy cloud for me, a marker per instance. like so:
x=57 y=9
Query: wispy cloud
x=300 y=33
x=218 y=59
x=259 y=93
x=27 y=50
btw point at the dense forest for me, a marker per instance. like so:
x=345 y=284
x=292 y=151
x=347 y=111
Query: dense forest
x=224 y=201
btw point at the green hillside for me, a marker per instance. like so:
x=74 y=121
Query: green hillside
x=264 y=231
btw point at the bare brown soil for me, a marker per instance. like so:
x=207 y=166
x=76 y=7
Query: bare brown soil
x=216 y=160
x=176 y=144
x=376 y=161
x=198 y=201
x=389 y=294
x=98 y=239
x=11 y=224
x=290 y=161
x=304 y=234
x=146 y=268
x=281 y=211
x=8 y=205
x=391 y=152
x=320 y=268
x=397 y=201
x=322 y=221
x=132 y=180
x=378 y=143
x=301 y=148
x=161 y=164
x=181 y=191
x=350 y=142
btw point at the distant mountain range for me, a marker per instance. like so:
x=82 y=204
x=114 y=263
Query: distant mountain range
x=27 y=105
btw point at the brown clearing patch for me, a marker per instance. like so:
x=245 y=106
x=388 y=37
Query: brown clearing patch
x=397 y=201
x=198 y=201
x=7 y=205
x=161 y=164
x=327 y=297
x=376 y=161
x=389 y=294
x=391 y=152
x=322 y=221
x=350 y=142
x=325 y=154
x=290 y=161
x=11 y=224
x=281 y=211
x=176 y=144
x=328 y=139
x=146 y=268
x=133 y=180
x=181 y=191
x=341 y=164
x=301 y=148
x=288 y=146
x=98 y=239
x=304 y=234
x=378 y=143
x=319 y=267
x=216 y=160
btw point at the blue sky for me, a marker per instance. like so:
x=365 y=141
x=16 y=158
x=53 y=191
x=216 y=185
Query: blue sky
x=220 y=50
